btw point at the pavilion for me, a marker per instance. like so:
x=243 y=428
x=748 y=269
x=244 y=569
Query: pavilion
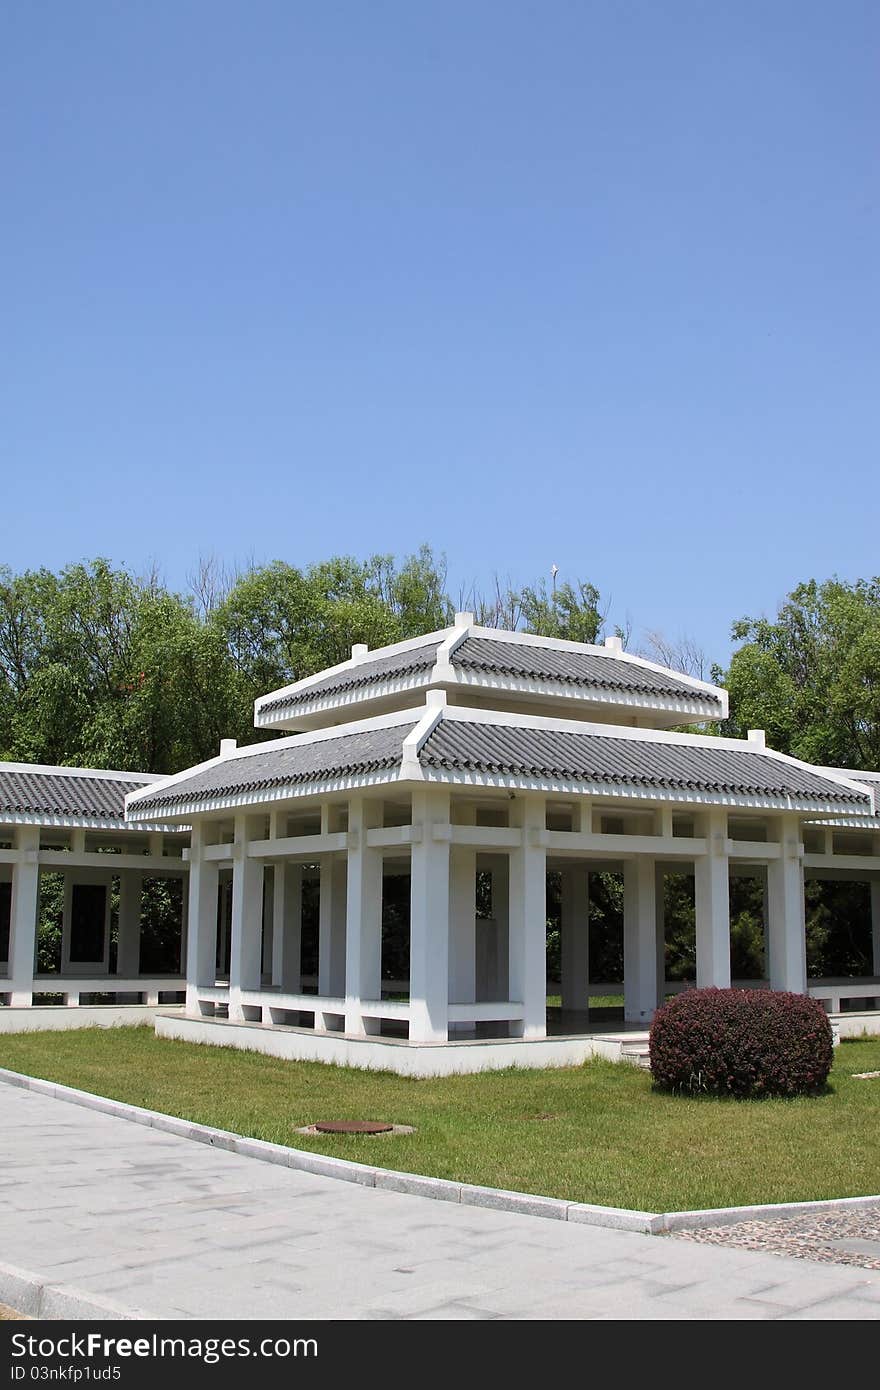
x=63 y=831
x=468 y=764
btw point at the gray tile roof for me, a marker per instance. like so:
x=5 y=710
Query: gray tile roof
x=469 y=746
x=872 y=785
x=513 y=750
x=44 y=793
x=365 y=673
x=520 y=660
x=286 y=764
x=572 y=668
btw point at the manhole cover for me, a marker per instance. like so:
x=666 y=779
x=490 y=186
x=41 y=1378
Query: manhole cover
x=353 y=1127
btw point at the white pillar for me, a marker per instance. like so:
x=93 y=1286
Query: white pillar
x=331 y=926
x=501 y=913
x=463 y=924
x=23 y=915
x=786 y=936
x=201 y=946
x=246 y=942
x=660 y=899
x=287 y=927
x=363 y=915
x=639 y=940
x=429 y=916
x=184 y=923
x=462 y=929
x=875 y=924
x=527 y=913
x=128 y=945
x=712 y=905
x=575 y=936
x=761 y=876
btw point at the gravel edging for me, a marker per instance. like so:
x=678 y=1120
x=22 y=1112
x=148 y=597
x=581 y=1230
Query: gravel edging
x=414 y=1184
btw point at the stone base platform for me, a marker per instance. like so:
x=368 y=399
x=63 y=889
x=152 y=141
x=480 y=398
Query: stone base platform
x=392 y=1054
x=50 y=1017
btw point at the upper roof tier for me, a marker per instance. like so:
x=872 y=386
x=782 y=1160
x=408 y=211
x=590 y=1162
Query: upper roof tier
x=486 y=668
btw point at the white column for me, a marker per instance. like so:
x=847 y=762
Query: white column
x=639 y=940
x=712 y=905
x=501 y=913
x=527 y=912
x=23 y=915
x=761 y=876
x=463 y=923
x=429 y=916
x=331 y=926
x=184 y=922
x=201 y=946
x=363 y=915
x=575 y=936
x=875 y=924
x=128 y=945
x=786 y=936
x=462 y=929
x=660 y=899
x=246 y=943
x=287 y=927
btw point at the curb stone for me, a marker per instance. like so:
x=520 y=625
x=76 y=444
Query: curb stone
x=413 y=1184
x=731 y=1216
x=39 y=1299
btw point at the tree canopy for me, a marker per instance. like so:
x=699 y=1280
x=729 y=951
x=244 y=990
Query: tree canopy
x=101 y=668
x=811 y=676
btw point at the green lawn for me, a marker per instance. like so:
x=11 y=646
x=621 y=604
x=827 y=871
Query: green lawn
x=596 y=1133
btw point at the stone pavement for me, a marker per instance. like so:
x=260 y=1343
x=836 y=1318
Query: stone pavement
x=178 y=1229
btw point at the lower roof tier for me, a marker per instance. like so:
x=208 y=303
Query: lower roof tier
x=480 y=748
x=32 y=793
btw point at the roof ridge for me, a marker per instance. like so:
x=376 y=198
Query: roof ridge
x=105 y=774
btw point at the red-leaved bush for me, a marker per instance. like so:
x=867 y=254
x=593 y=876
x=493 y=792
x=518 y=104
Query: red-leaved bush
x=741 y=1042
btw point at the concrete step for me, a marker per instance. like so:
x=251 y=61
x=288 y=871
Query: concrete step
x=635 y=1050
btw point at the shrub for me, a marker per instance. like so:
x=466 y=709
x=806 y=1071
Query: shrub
x=741 y=1042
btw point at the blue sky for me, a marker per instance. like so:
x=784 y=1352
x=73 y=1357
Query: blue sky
x=593 y=284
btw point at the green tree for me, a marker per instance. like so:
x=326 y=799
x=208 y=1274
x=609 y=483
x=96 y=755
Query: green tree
x=98 y=668
x=281 y=623
x=811 y=676
x=569 y=611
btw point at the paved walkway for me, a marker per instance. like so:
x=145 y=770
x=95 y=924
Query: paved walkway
x=178 y=1229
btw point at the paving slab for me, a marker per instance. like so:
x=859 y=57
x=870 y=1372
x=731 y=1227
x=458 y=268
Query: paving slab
x=136 y=1219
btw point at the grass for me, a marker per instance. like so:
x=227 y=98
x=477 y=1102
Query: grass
x=597 y=1001
x=596 y=1133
